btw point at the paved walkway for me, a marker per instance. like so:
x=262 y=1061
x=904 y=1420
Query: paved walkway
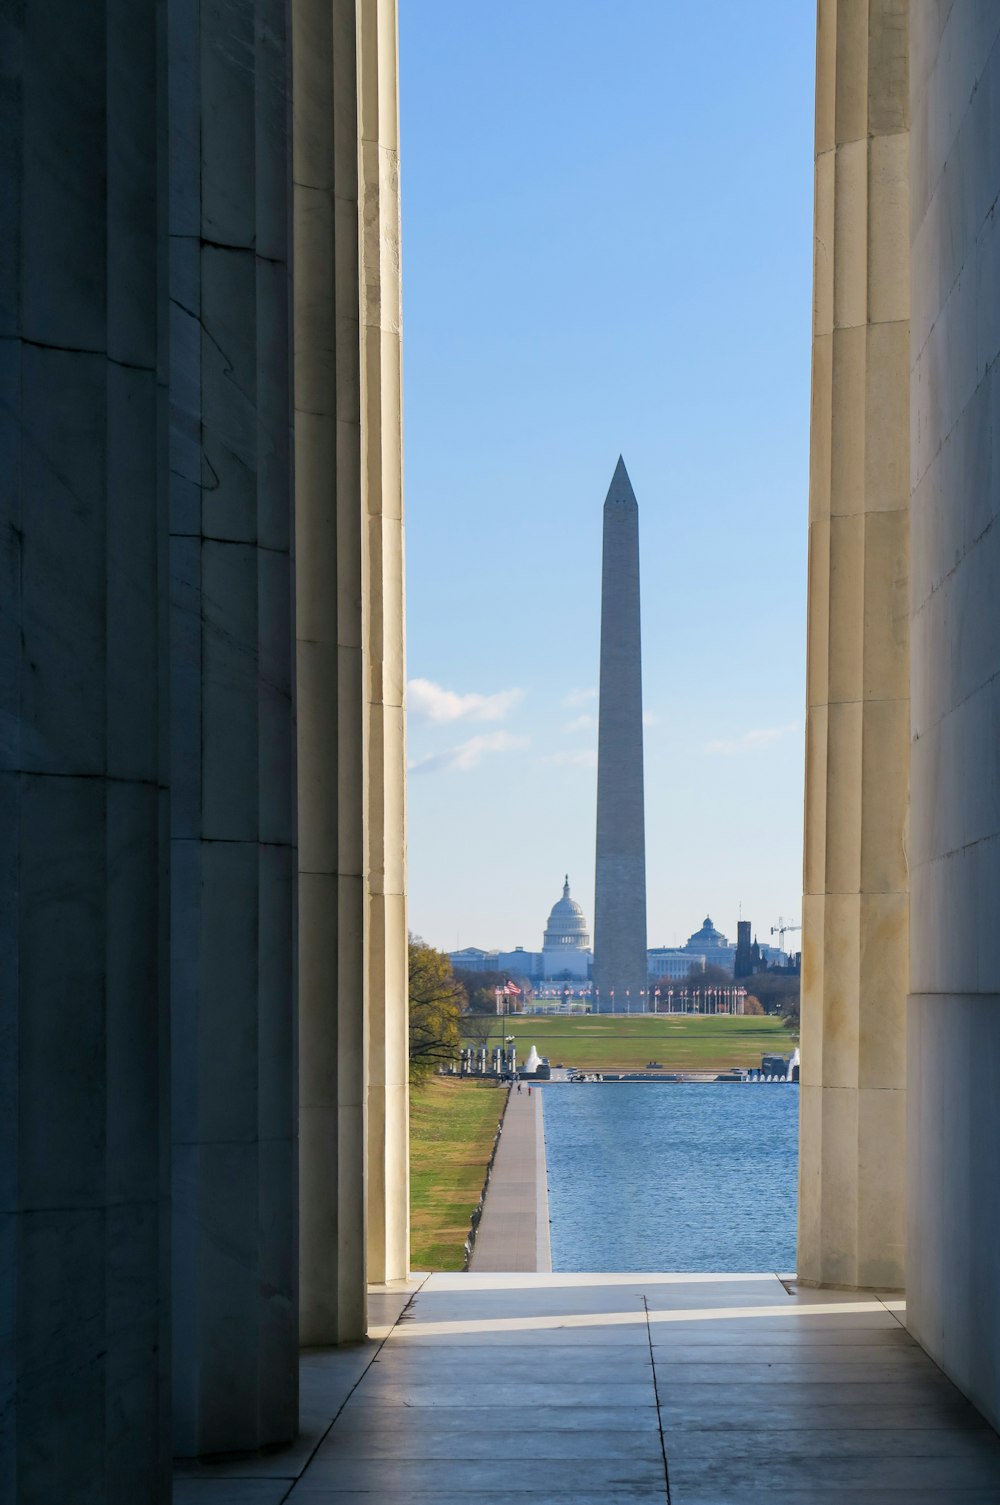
x=590 y=1389
x=514 y=1230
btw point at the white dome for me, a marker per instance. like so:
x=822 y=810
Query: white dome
x=567 y=925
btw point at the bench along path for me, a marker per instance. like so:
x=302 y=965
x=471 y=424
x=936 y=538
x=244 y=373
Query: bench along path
x=514 y=1229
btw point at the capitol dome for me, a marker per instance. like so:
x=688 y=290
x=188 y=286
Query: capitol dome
x=567 y=925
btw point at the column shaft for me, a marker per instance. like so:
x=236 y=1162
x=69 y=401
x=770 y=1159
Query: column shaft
x=854 y=940
x=84 y=1378
x=333 y=920
x=384 y=680
x=232 y=749
x=953 y=1250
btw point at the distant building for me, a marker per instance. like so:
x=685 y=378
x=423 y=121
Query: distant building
x=472 y=959
x=751 y=957
x=744 y=961
x=673 y=964
x=565 y=955
x=521 y=963
x=713 y=946
x=566 y=949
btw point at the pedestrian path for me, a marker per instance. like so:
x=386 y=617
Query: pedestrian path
x=513 y=1232
x=607 y=1389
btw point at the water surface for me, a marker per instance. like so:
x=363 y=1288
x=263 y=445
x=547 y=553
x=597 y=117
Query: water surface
x=649 y=1176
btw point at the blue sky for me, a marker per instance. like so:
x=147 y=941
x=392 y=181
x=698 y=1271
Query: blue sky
x=607 y=216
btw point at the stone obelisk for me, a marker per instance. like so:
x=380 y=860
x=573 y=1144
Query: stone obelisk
x=620 y=974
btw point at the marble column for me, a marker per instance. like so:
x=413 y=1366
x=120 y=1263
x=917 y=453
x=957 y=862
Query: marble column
x=953 y=1264
x=84 y=1335
x=332 y=763
x=232 y=748
x=384 y=667
x=352 y=943
x=854 y=938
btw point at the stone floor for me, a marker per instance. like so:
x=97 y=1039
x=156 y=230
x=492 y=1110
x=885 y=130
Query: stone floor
x=599 y=1388
x=514 y=1231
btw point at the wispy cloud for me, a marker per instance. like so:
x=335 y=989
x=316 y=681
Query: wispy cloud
x=585 y=757
x=650 y=718
x=467 y=755
x=430 y=702
x=751 y=741
x=579 y=697
x=583 y=723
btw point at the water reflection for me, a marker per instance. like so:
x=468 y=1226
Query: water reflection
x=650 y=1177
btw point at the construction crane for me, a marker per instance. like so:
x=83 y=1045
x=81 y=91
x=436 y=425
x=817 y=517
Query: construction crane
x=780 y=930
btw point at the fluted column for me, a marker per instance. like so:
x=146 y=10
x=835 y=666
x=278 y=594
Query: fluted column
x=382 y=482
x=233 y=856
x=84 y=1330
x=333 y=920
x=854 y=943
x=352 y=941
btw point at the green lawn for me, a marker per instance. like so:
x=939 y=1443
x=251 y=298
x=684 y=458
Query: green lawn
x=594 y=1042
x=452 y=1127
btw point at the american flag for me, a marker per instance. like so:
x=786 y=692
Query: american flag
x=511 y=990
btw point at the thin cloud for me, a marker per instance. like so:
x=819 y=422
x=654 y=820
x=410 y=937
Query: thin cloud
x=751 y=741
x=468 y=755
x=579 y=697
x=583 y=758
x=581 y=724
x=428 y=701
x=650 y=718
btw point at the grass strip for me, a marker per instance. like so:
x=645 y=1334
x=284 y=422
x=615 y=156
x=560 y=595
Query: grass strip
x=596 y=1042
x=452 y=1127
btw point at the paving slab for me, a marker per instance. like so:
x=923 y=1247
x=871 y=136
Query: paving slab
x=745 y=1391
x=513 y=1233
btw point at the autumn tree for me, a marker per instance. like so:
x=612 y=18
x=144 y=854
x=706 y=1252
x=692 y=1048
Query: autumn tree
x=437 y=1000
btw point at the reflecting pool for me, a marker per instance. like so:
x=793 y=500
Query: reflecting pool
x=650 y=1176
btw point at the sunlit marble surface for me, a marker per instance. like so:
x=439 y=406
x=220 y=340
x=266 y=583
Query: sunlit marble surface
x=599 y=1387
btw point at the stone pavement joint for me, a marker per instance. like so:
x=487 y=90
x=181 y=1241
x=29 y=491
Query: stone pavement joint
x=573 y=1389
x=513 y=1232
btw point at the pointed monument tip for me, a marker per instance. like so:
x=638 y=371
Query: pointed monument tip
x=620 y=489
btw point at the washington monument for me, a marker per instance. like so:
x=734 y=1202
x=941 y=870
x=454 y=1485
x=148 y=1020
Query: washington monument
x=620 y=890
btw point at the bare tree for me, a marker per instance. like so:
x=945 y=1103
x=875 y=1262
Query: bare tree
x=436 y=1004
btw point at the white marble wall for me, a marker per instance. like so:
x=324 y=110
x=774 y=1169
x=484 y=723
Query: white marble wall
x=232 y=745
x=953 y=1066
x=83 y=1291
